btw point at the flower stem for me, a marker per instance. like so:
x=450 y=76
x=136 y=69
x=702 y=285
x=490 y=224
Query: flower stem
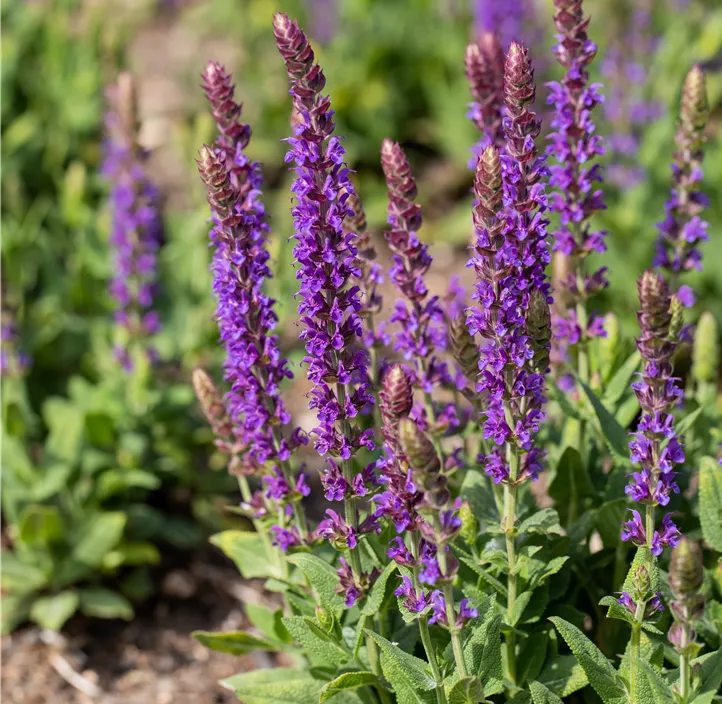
x=424 y=629
x=633 y=667
x=510 y=491
x=684 y=677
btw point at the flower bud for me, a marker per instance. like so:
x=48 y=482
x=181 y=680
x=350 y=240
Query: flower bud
x=539 y=329
x=676 y=311
x=325 y=618
x=695 y=106
x=396 y=396
x=464 y=347
x=686 y=572
x=211 y=400
x=706 y=351
x=469 y=523
x=424 y=462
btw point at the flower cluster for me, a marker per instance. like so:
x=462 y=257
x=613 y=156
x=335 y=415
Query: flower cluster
x=136 y=226
x=330 y=301
x=655 y=446
x=509 y=260
x=576 y=196
x=253 y=367
x=682 y=229
x=420 y=316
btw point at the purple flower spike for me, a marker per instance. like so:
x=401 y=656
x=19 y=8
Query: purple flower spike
x=414 y=601
x=654 y=445
x=136 y=233
x=683 y=229
x=328 y=269
x=576 y=177
x=509 y=260
x=419 y=315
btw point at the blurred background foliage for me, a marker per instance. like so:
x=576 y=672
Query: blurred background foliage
x=103 y=474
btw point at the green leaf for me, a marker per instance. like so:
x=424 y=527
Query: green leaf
x=400 y=666
x=18 y=576
x=52 y=612
x=641 y=557
x=378 y=590
x=66 y=424
x=323 y=579
x=563 y=675
x=234 y=642
x=545 y=521
x=485 y=574
x=614 y=434
x=247 y=551
x=40 y=525
x=541 y=695
x=320 y=646
x=608 y=520
x=521 y=602
x=570 y=484
x=710 y=502
x=269 y=622
x=468 y=690
x=710 y=676
x=619 y=383
x=601 y=675
x=105 y=603
x=100 y=535
x=476 y=489
x=482 y=650
x=532 y=656
x=275 y=686
x=346 y=681
x=660 y=690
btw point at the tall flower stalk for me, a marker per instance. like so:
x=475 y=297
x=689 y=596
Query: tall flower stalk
x=682 y=230
x=254 y=366
x=575 y=178
x=511 y=291
x=136 y=229
x=654 y=447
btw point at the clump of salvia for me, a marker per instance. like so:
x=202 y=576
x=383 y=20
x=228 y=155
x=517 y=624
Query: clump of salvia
x=428 y=572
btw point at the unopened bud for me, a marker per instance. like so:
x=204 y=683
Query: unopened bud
x=325 y=618
x=464 y=347
x=396 y=397
x=695 y=106
x=424 y=463
x=686 y=572
x=706 y=351
x=539 y=330
x=469 y=523
x=676 y=312
x=211 y=400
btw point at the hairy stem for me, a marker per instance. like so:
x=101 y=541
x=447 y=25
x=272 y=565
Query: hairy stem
x=508 y=523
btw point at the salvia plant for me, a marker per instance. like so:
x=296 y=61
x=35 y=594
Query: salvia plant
x=438 y=570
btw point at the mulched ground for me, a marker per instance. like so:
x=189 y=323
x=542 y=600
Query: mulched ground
x=151 y=660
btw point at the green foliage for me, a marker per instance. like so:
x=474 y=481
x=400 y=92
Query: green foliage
x=710 y=501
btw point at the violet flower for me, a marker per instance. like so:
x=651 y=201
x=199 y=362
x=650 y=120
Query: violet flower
x=509 y=260
x=575 y=145
x=136 y=230
x=246 y=318
x=682 y=229
x=328 y=262
x=509 y=19
x=655 y=446
x=484 y=63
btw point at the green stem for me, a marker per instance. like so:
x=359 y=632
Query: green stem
x=508 y=523
x=424 y=629
x=684 y=677
x=633 y=667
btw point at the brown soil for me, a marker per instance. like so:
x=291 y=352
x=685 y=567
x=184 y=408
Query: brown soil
x=151 y=660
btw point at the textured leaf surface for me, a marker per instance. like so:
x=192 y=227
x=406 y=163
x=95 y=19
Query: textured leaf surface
x=323 y=579
x=482 y=651
x=710 y=501
x=477 y=491
x=545 y=521
x=541 y=695
x=275 y=686
x=399 y=666
x=467 y=690
x=346 y=682
x=601 y=675
x=378 y=590
x=710 y=676
x=321 y=648
x=563 y=675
